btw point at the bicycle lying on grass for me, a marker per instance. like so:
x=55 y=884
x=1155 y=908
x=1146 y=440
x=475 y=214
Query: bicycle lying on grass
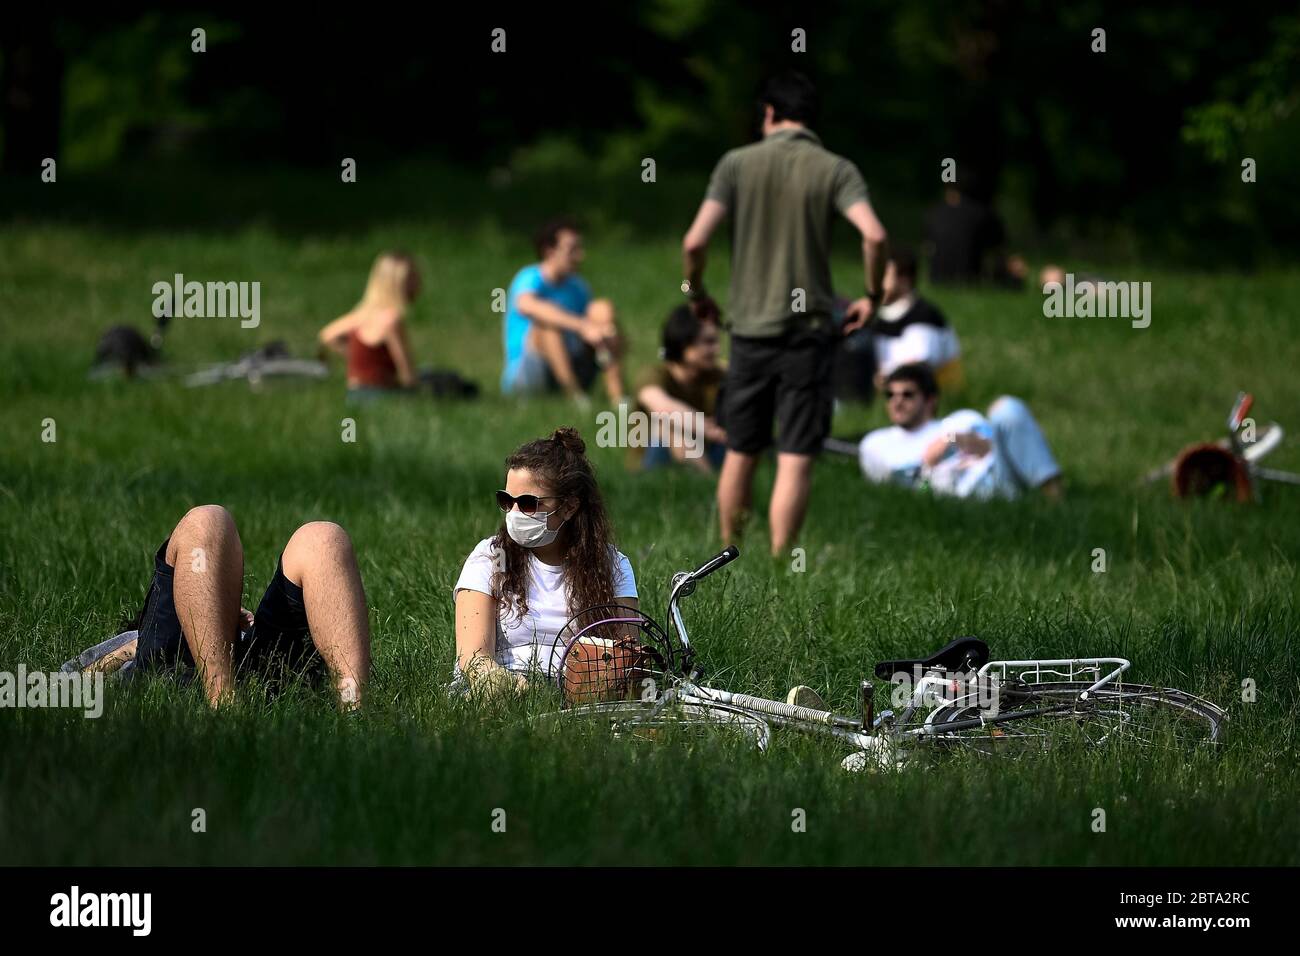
x=615 y=665
x=1231 y=466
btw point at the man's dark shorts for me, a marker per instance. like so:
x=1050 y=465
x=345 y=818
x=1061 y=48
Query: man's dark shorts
x=278 y=644
x=789 y=378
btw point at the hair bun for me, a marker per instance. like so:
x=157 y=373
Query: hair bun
x=569 y=439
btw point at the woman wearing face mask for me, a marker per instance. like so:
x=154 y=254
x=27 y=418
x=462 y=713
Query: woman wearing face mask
x=552 y=557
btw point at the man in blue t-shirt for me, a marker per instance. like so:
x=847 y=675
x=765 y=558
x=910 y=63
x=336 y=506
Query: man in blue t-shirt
x=557 y=336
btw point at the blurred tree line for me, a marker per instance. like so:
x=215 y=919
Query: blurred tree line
x=1141 y=144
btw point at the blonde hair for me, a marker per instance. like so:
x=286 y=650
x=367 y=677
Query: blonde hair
x=390 y=283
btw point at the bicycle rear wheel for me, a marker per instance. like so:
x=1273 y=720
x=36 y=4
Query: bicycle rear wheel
x=671 y=721
x=1033 y=718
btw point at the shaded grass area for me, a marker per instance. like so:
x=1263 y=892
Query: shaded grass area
x=1199 y=595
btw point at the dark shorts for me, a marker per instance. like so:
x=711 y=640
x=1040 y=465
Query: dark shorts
x=787 y=378
x=278 y=644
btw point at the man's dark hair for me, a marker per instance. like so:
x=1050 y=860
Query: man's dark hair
x=682 y=328
x=919 y=374
x=792 y=96
x=547 y=236
x=904 y=260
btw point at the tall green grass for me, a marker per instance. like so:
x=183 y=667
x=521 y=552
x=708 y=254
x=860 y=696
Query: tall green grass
x=1199 y=595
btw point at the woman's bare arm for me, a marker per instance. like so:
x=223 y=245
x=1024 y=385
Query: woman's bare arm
x=399 y=347
x=335 y=335
x=476 y=619
x=655 y=399
x=635 y=605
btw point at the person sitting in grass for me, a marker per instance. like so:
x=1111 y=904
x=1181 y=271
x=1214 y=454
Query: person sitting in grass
x=906 y=329
x=967 y=240
x=683 y=391
x=965 y=454
x=312 y=620
x=556 y=336
x=372 y=337
x=552 y=556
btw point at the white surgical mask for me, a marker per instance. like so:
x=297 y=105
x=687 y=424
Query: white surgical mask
x=530 y=531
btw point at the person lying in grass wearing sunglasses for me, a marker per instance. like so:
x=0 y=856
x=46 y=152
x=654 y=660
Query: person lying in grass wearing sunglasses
x=967 y=455
x=552 y=556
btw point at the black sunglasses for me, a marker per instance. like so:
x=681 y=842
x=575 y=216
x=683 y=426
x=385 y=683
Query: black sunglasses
x=527 y=503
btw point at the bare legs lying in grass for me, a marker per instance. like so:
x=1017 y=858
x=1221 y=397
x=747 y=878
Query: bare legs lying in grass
x=205 y=558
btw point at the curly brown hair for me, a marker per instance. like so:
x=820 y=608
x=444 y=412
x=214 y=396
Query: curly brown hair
x=560 y=465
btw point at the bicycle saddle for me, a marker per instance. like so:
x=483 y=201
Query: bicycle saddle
x=965 y=653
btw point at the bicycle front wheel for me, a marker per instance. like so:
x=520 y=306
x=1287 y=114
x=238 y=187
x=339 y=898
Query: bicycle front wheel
x=1037 y=717
x=672 y=721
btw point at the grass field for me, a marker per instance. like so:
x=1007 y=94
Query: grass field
x=1199 y=596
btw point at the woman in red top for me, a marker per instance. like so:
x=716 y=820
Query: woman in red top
x=372 y=337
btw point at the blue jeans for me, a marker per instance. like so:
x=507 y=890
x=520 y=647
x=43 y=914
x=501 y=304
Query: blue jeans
x=359 y=395
x=1022 y=458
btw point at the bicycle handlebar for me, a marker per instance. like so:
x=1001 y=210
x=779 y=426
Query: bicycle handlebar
x=724 y=557
x=1240 y=409
x=684 y=584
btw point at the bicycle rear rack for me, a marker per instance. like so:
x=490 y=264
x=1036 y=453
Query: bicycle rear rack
x=1070 y=670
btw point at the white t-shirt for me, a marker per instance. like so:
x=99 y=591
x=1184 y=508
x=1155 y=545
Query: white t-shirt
x=525 y=643
x=893 y=454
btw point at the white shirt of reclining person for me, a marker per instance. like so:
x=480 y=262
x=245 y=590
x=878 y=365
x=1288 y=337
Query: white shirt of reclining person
x=893 y=455
x=524 y=644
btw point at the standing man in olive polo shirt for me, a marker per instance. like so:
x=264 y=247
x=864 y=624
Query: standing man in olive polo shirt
x=782 y=194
